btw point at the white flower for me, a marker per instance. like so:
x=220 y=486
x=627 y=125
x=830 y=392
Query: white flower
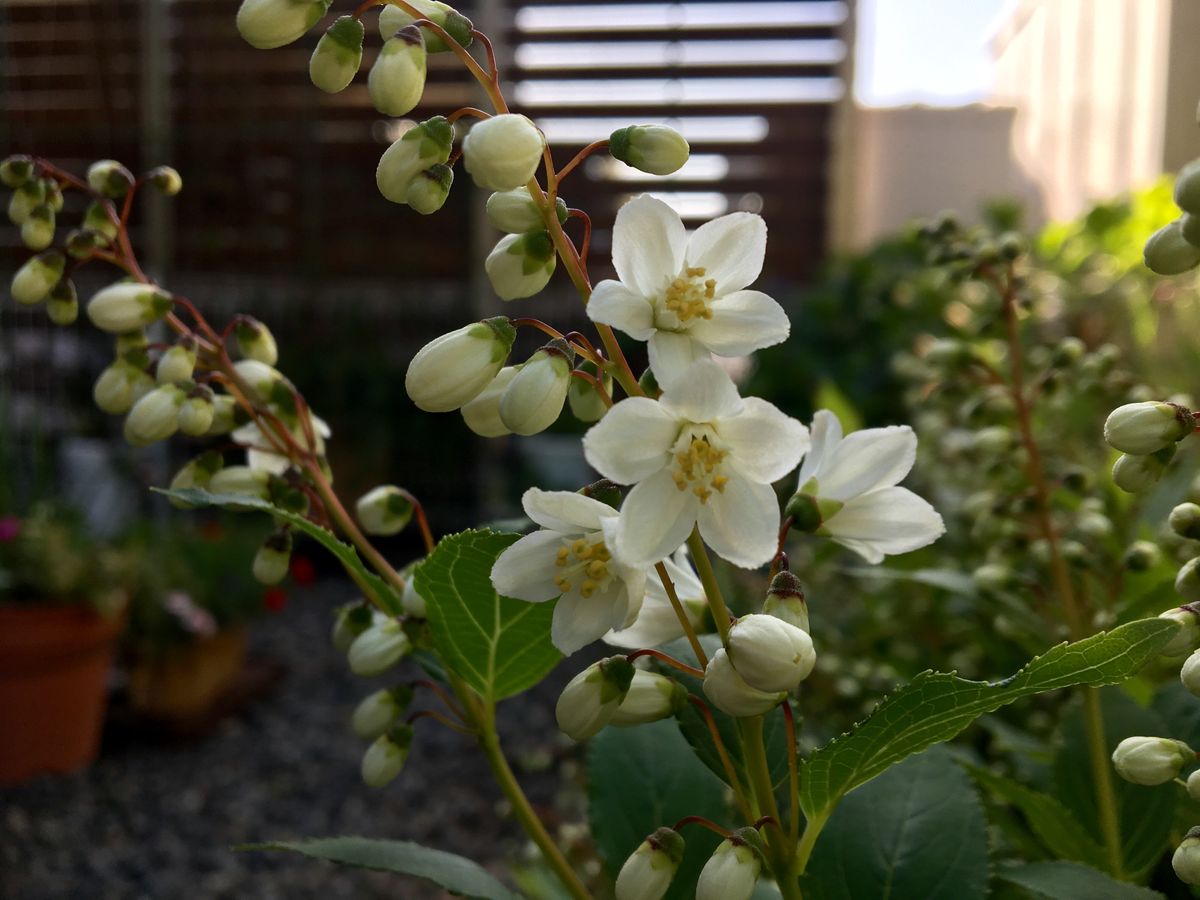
x=700 y=454
x=571 y=556
x=853 y=482
x=686 y=295
x=657 y=623
x=261 y=453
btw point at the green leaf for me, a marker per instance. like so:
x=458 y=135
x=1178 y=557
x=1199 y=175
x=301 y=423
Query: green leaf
x=345 y=554
x=498 y=645
x=642 y=778
x=453 y=873
x=918 y=831
x=936 y=706
x=1070 y=881
x=1052 y=822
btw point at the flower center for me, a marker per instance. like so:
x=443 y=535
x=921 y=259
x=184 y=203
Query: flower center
x=698 y=465
x=688 y=296
x=583 y=563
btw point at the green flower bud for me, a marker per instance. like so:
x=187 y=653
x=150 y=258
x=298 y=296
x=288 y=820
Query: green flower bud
x=1069 y=351
x=25 y=199
x=1187 y=581
x=650 y=697
x=503 y=152
x=385 y=757
x=37 y=231
x=520 y=265
x=225 y=415
x=1186 y=859
x=255 y=341
x=62 y=304
x=81 y=243
x=1187 y=187
x=1144 y=428
x=97 y=219
x=647 y=873
x=1185 y=521
x=267 y=24
x=178 y=362
x=1189 y=627
x=380 y=712
x=453 y=369
x=482 y=414
x=16 y=170
x=769 y=654
x=458 y=26
x=656 y=149
x=418 y=149
x=785 y=600
x=428 y=191
x=587 y=405
x=731 y=873
x=514 y=212
x=413 y=603
x=196 y=413
x=1167 y=252
x=273 y=558
x=338 y=55
x=155 y=417
x=262 y=379
x=37 y=278
x=397 y=78
x=241 y=480
x=385 y=510
x=1141 y=556
x=591 y=698
x=1151 y=760
x=128 y=306
x=196 y=473
x=534 y=399
x=351 y=621
x=1139 y=473
x=167 y=180
x=730 y=693
x=1189 y=674
x=378 y=649
x=119 y=386
x=109 y=178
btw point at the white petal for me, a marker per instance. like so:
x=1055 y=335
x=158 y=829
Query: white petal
x=580 y=620
x=632 y=441
x=703 y=393
x=655 y=625
x=633 y=577
x=612 y=303
x=565 y=511
x=741 y=523
x=887 y=521
x=648 y=245
x=263 y=461
x=741 y=323
x=867 y=460
x=671 y=353
x=526 y=569
x=765 y=443
x=730 y=249
x=687 y=584
x=656 y=518
x=826 y=435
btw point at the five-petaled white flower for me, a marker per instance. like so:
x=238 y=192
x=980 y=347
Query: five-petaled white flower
x=570 y=557
x=657 y=623
x=700 y=454
x=686 y=295
x=852 y=486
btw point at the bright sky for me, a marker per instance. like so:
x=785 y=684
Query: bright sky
x=924 y=51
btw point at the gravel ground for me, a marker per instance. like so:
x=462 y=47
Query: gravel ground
x=158 y=821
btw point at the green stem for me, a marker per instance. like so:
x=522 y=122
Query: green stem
x=1106 y=798
x=812 y=830
x=708 y=578
x=781 y=850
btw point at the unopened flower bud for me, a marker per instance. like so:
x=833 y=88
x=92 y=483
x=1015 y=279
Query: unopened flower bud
x=82 y=242
x=520 y=265
x=1186 y=859
x=1139 y=473
x=261 y=378
x=178 y=362
x=1189 y=674
x=166 y=180
x=1167 y=251
x=731 y=873
x=1185 y=520
x=1151 y=760
x=155 y=417
x=647 y=873
x=241 y=480
x=267 y=24
x=482 y=414
x=225 y=415
x=1187 y=581
x=62 y=303
x=453 y=369
x=127 y=306
x=109 y=178
x=651 y=697
x=770 y=654
x=273 y=558
x=730 y=693
x=785 y=600
x=25 y=199
x=421 y=147
x=458 y=26
x=385 y=758
x=534 y=399
x=37 y=231
x=585 y=400
x=378 y=649
x=384 y=510
x=1144 y=428
x=1141 y=556
x=413 y=603
x=113 y=392
x=1193 y=785
x=350 y=621
x=196 y=413
x=196 y=473
x=379 y=712
x=514 y=212
x=656 y=149
x=16 y=170
x=428 y=191
x=37 y=277
x=397 y=78
x=338 y=55
x=255 y=341
x=97 y=219
x=503 y=152
x=1187 y=188
x=591 y=698
x=1189 y=631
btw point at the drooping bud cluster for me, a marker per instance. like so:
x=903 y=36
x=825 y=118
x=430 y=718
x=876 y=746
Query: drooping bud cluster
x=1175 y=248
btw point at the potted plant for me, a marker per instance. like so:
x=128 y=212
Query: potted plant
x=60 y=614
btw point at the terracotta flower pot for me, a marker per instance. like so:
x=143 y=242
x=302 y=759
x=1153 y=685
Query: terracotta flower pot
x=54 y=665
x=187 y=681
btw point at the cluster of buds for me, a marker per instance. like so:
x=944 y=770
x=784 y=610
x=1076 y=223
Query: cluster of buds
x=1147 y=434
x=731 y=873
x=614 y=692
x=1175 y=248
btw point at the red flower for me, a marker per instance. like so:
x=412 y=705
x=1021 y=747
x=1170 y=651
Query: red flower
x=303 y=570
x=274 y=599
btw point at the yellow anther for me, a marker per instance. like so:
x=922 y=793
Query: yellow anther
x=596 y=569
x=581 y=549
x=601 y=552
x=694 y=272
x=562 y=584
x=680 y=481
x=719 y=482
x=561 y=558
x=702 y=492
x=587 y=589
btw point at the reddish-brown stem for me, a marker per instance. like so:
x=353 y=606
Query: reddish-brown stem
x=579 y=157
x=491 y=55
x=768 y=820
x=780 y=560
x=669 y=660
x=586 y=244
x=127 y=206
x=467 y=111
x=442 y=694
x=441 y=719
x=422 y=523
x=726 y=762
x=700 y=820
x=578 y=337
x=596 y=382
x=541 y=326
x=793 y=772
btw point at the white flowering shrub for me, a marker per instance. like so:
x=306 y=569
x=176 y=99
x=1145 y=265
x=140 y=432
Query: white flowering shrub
x=700 y=781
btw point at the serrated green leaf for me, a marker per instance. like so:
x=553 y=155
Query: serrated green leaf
x=935 y=706
x=1070 y=881
x=345 y=554
x=918 y=831
x=642 y=778
x=498 y=645
x=453 y=873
